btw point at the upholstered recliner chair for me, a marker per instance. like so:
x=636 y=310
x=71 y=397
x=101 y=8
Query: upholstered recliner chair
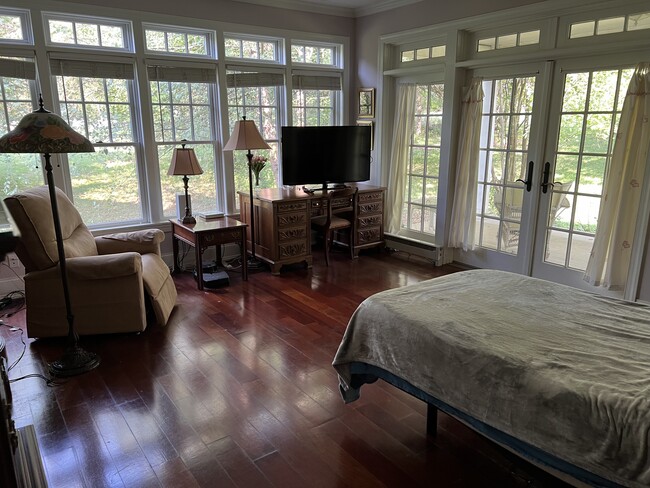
x=117 y=281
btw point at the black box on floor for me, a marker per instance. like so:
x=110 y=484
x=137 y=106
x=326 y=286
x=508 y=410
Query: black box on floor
x=215 y=279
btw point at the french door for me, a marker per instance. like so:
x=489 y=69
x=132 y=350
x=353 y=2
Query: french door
x=546 y=144
x=511 y=145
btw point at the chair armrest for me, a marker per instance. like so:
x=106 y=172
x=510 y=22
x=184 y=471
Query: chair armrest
x=104 y=266
x=141 y=241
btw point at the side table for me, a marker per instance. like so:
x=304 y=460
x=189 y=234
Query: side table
x=206 y=233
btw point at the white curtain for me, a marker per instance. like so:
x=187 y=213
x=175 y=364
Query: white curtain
x=402 y=128
x=609 y=260
x=463 y=214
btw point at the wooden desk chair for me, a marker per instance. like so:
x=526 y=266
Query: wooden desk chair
x=339 y=203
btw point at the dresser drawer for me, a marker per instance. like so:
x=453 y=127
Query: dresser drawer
x=369 y=235
x=292 y=220
x=371 y=207
x=284 y=207
x=292 y=234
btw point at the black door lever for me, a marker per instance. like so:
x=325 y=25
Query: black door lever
x=529 y=176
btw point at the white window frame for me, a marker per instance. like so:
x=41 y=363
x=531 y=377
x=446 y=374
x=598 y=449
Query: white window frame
x=210 y=38
x=25 y=23
x=337 y=55
x=279 y=49
x=125 y=25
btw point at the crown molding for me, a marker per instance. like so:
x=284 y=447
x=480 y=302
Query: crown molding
x=319 y=8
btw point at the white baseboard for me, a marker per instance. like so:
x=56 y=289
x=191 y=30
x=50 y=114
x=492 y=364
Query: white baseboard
x=11 y=284
x=422 y=249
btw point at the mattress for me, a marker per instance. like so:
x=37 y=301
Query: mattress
x=563 y=370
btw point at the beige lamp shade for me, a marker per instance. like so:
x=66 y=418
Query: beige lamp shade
x=184 y=162
x=245 y=136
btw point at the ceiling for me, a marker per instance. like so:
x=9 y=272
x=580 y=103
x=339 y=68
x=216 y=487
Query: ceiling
x=342 y=8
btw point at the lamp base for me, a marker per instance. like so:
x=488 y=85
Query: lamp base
x=188 y=219
x=75 y=361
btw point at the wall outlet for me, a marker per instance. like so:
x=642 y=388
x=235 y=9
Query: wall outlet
x=13 y=260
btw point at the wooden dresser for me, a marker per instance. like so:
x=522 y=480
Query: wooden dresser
x=283 y=222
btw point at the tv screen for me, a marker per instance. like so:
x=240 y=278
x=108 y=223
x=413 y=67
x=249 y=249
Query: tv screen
x=321 y=155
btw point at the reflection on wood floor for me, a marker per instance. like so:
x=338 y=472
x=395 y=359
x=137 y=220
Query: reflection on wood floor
x=238 y=390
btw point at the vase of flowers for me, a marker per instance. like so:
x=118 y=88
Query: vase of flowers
x=257 y=164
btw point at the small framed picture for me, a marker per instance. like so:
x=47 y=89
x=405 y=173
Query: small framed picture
x=370 y=124
x=367 y=103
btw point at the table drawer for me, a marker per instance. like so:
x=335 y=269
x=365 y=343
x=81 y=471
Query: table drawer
x=369 y=235
x=292 y=234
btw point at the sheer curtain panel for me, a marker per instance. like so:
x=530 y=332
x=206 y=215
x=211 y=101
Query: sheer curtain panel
x=463 y=215
x=609 y=261
x=399 y=155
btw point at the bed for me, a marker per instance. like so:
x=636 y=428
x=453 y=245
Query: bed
x=556 y=374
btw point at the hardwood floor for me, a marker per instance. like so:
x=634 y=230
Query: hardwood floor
x=238 y=391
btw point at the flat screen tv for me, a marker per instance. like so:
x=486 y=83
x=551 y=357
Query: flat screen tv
x=324 y=155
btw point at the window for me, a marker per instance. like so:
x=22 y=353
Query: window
x=421 y=53
x=15 y=27
x=315 y=99
x=256 y=96
x=183 y=112
x=96 y=99
x=176 y=40
x=419 y=210
x=315 y=53
x=609 y=25
x=592 y=101
x=258 y=49
x=505 y=134
x=506 y=41
x=17 y=94
x=88 y=32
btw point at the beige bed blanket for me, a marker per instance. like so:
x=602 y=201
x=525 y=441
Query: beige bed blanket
x=561 y=369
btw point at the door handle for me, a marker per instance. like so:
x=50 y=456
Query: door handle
x=529 y=176
x=545 y=183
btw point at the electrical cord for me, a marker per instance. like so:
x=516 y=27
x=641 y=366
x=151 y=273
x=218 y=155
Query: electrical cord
x=48 y=381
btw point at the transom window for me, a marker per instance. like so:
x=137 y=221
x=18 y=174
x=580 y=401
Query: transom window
x=176 y=40
x=610 y=25
x=259 y=49
x=14 y=26
x=428 y=52
x=314 y=53
x=88 y=32
x=516 y=39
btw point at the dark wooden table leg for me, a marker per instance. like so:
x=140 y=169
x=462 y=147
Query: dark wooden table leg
x=199 y=263
x=244 y=257
x=177 y=267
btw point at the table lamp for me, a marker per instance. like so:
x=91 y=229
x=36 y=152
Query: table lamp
x=184 y=163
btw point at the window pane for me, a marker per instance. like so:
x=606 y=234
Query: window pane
x=155 y=40
x=488 y=44
x=408 y=56
x=504 y=42
x=610 y=26
x=11 y=27
x=528 y=38
x=105 y=185
x=582 y=29
x=61 y=31
x=87 y=34
x=638 y=21
x=111 y=36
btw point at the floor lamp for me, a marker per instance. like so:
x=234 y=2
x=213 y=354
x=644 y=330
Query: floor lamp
x=44 y=132
x=245 y=136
